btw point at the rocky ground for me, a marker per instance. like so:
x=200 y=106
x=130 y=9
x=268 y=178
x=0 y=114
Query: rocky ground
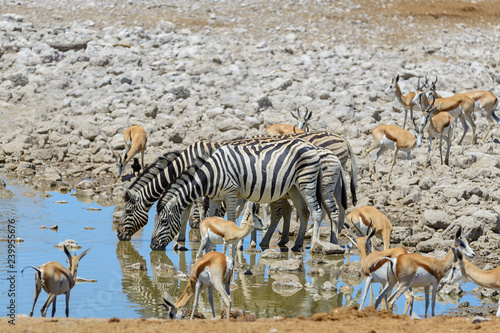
x=74 y=75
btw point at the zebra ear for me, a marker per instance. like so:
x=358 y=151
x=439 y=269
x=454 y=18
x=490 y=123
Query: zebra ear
x=131 y=194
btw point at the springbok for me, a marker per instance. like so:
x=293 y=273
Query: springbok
x=56 y=280
x=464 y=271
x=459 y=106
x=390 y=137
x=135 y=142
x=216 y=230
x=370 y=217
x=416 y=270
x=486 y=102
x=440 y=125
x=373 y=267
x=213 y=270
x=405 y=100
x=283 y=129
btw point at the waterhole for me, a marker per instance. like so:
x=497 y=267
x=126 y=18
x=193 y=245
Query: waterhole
x=123 y=293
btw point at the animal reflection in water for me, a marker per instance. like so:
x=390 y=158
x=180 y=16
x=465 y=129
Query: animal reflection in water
x=254 y=293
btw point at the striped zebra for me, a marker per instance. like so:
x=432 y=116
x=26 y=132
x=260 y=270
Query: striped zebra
x=150 y=185
x=260 y=173
x=334 y=194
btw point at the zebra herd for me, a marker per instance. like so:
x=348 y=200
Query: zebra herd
x=308 y=168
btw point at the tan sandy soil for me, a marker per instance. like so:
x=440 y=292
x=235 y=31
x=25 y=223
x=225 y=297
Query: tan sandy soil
x=337 y=320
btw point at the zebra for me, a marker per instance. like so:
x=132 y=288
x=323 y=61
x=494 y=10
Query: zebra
x=149 y=186
x=333 y=190
x=260 y=173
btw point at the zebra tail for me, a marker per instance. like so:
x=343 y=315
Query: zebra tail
x=343 y=188
x=354 y=174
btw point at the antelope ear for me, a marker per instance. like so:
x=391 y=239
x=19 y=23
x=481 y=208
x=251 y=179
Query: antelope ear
x=459 y=232
x=397 y=78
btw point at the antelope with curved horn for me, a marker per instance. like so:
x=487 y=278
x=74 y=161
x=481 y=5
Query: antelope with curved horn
x=405 y=100
x=56 y=280
x=459 y=106
x=440 y=125
x=135 y=142
x=464 y=271
x=213 y=270
x=390 y=137
x=416 y=270
x=369 y=217
x=283 y=129
x=373 y=267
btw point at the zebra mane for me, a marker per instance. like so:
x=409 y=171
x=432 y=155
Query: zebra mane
x=172 y=190
x=154 y=169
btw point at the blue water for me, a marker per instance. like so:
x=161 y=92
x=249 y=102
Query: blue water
x=124 y=294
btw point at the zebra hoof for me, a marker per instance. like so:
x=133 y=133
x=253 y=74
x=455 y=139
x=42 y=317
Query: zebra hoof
x=297 y=248
x=178 y=247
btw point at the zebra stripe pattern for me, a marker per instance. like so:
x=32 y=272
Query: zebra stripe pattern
x=149 y=186
x=333 y=188
x=259 y=173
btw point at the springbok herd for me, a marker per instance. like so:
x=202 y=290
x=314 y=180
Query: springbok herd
x=210 y=180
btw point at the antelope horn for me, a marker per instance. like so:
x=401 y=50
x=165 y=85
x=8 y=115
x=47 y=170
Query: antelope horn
x=369 y=226
x=298 y=112
x=293 y=115
x=355 y=226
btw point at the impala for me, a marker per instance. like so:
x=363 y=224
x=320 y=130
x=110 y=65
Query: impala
x=416 y=270
x=135 y=142
x=283 y=129
x=390 y=137
x=216 y=230
x=373 y=267
x=464 y=271
x=458 y=106
x=56 y=280
x=213 y=270
x=407 y=100
x=370 y=217
x=487 y=103
x=440 y=125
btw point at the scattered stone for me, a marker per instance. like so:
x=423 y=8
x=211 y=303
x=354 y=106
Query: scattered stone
x=290 y=265
x=6 y=194
x=80 y=279
x=70 y=244
x=272 y=254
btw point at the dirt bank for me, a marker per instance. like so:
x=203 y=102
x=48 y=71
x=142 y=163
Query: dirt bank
x=338 y=320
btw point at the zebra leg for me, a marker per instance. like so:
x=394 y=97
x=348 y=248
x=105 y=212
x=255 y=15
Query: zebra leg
x=275 y=218
x=286 y=212
x=303 y=213
x=184 y=218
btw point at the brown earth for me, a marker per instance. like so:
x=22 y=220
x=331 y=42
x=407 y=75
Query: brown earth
x=338 y=320
x=258 y=17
